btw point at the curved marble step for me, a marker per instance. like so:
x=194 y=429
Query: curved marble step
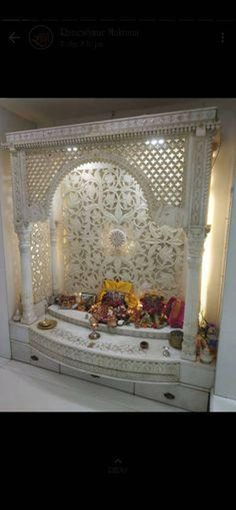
x=79 y=318
x=118 y=356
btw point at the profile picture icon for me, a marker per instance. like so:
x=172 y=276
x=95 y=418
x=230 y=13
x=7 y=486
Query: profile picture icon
x=41 y=37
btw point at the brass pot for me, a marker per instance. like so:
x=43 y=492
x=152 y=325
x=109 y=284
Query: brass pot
x=176 y=339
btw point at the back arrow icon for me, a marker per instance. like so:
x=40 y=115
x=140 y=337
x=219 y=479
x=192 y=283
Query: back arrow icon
x=13 y=37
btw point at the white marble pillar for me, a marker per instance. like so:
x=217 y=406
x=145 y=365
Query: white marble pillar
x=26 y=275
x=195 y=244
x=54 y=256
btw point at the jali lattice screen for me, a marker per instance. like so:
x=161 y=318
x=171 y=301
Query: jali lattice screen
x=41 y=261
x=161 y=161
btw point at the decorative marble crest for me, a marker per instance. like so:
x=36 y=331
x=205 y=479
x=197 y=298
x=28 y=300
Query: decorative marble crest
x=175 y=122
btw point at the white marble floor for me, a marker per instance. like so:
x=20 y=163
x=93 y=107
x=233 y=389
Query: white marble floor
x=222 y=404
x=27 y=388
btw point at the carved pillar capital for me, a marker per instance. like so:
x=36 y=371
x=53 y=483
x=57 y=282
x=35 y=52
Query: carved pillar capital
x=13 y=151
x=201 y=130
x=195 y=243
x=196 y=233
x=53 y=231
x=24 y=232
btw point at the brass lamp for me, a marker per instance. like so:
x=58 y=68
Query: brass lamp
x=93 y=325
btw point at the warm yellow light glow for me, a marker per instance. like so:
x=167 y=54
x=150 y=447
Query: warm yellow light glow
x=207 y=255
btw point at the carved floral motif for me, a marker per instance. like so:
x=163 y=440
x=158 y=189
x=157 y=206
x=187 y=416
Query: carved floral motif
x=117 y=238
x=103 y=199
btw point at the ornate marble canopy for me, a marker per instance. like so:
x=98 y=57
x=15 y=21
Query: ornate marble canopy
x=41 y=158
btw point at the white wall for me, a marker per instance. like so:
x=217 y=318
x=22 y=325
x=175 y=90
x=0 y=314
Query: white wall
x=222 y=175
x=225 y=382
x=9 y=269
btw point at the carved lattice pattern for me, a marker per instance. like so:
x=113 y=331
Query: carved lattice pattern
x=98 y=199
x=161 y=161
x=41 y=261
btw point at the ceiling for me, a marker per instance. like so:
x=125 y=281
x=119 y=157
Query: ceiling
x=45 y=112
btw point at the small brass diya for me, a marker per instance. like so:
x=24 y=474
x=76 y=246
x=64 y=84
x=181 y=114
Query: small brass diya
x=47 y=324
x=93 y=324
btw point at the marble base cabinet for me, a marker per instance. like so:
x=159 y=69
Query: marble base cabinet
x=191 y=390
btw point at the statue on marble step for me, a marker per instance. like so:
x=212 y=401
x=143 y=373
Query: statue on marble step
x=210 y=334
x=66 y=301
x=174 y=311
x=17 y=315
x=111 y=318
x=201 y=344
x=206 y=356
x=153 y=304
x=124 y=288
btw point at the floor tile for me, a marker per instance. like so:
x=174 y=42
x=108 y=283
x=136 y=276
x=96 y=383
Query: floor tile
x=27 y=388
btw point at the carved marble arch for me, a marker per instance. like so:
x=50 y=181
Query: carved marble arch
x=115 y=160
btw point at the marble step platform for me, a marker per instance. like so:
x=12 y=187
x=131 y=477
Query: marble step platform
x=116 y=361
x=112 y=355
x=81 y=319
